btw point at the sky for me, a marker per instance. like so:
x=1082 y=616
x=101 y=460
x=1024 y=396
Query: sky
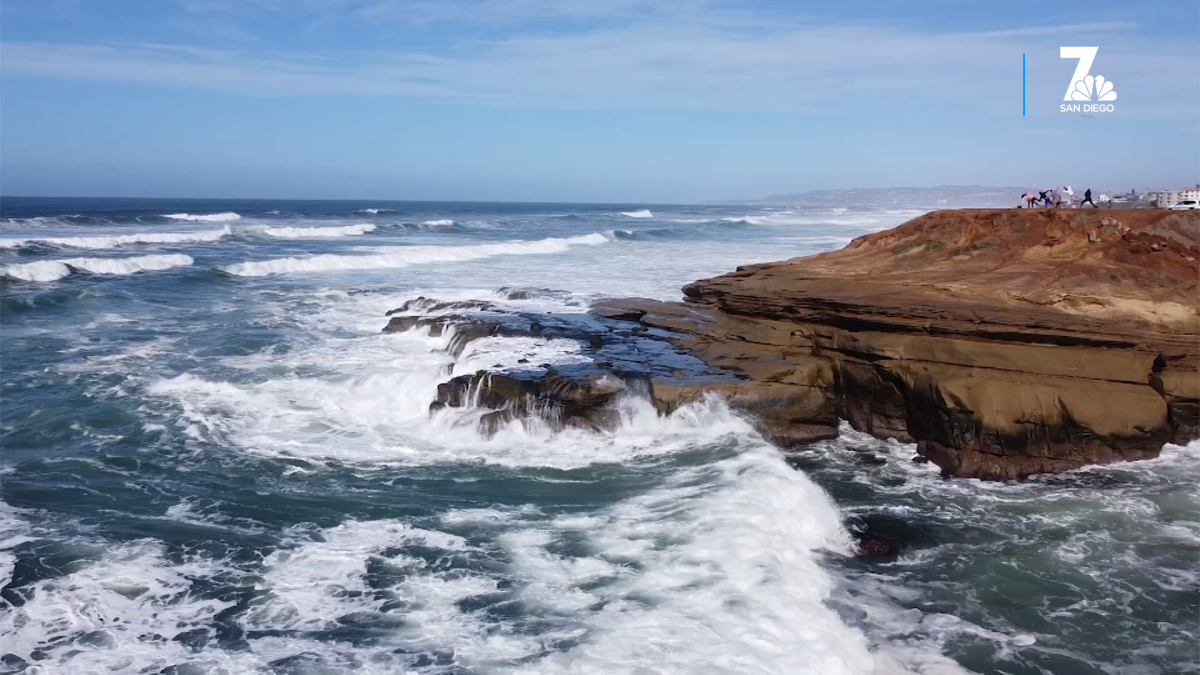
x=596 y=101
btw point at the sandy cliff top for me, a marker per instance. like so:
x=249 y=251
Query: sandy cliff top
x=1075 y=271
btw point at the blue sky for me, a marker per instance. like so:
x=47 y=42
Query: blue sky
x=608 y=100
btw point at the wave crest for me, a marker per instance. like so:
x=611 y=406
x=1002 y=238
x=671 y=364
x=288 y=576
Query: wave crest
x=112 y=241
x=316 y=232
x=222 y=217
x=404 y=256
x=52 y=270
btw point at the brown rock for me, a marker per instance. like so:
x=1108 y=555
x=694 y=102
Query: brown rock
x=1005 y=342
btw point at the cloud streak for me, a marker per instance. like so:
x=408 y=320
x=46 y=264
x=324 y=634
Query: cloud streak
x=693 y=64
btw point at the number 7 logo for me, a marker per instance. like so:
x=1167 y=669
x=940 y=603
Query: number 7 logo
x=1083 y=87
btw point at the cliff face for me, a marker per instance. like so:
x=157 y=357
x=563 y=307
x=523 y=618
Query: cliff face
x=1004 y=342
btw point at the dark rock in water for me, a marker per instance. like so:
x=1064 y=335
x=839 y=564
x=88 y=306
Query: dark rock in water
x=882 y=534
x=871 y=546
x=429 y=305
x=467 y=329
x=530 y=293
x=559 y=399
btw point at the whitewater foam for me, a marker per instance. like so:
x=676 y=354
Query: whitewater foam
x=312 y=585
x=319 y=232
x=51 y=270
x=404 y=256
x=640 y=213
x=113 y=241
x=717 y=568
x=208 y=217
x=131 y=603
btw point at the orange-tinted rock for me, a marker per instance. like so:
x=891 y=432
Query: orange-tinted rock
x=1005 y=342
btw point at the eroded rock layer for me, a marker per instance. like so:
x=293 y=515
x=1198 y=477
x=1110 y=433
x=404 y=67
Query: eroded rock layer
x=1004 y=342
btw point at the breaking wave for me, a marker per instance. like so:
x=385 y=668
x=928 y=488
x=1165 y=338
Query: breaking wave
x=112 y=241
x=222 y=217
x=640 y=213
x=719 y=563
x=403 y=256
x=444 y=222
x=51 y=270
x=317 y=232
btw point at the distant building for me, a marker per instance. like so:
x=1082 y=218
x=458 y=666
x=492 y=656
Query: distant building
x=1192 y=193
x=1163 y=199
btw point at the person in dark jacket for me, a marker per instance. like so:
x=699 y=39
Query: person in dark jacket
x=1087 y=199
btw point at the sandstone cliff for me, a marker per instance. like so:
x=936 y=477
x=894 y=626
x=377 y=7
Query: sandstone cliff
x=1003 y=342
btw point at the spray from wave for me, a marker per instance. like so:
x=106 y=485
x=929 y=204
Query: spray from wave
x=404 y=256
x=640 y=213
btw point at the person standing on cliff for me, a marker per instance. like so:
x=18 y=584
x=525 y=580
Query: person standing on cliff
x=1087 y=199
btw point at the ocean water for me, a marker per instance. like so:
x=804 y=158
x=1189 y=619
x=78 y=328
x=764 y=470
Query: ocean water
x=214 y=462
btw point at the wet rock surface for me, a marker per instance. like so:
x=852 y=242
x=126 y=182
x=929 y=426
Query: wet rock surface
x=620 y=358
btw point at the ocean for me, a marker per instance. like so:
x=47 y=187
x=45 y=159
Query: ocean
x=214 y=461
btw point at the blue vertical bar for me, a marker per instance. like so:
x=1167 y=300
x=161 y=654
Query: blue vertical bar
x=1022 y=85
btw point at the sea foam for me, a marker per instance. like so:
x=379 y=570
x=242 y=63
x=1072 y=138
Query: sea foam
x=403 y=256
x=640 y=213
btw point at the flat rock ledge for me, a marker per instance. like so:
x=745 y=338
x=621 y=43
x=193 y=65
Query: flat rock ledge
x=1004 y=343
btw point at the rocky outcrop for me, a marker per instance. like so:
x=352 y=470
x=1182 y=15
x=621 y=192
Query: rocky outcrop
x=1003 y=342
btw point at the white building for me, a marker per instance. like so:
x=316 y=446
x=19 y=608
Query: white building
x=1192 y=193
x=1163 y=199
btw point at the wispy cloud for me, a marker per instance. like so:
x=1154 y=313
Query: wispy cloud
x=714 y=60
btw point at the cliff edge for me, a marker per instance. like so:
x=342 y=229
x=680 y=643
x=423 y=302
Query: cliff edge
x=1004 y=342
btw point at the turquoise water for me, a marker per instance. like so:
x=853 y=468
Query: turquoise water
x=214 y=461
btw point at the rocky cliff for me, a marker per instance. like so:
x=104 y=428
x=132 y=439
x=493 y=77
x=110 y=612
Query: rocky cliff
x=1003 y=342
